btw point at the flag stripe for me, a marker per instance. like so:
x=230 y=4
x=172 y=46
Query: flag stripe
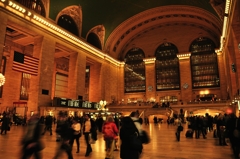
x=29 y=65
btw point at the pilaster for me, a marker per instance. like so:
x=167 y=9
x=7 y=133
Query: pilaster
x=77 y=71
x=41 y=85
x=185 y=78
x=150 y=81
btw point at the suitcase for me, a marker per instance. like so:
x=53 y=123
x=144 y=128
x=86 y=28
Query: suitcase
x=189 y=134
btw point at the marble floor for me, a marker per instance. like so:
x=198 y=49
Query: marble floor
x=163 y=145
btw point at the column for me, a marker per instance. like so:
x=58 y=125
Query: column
x=41 y=85
x=3 y=27
x=76 y=76
x=185 y=78
x=150 y=81
x=223 y=81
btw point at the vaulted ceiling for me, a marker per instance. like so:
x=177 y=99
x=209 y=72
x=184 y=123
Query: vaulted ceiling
x=146 y=23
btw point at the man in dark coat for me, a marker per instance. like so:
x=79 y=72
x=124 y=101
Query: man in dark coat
x=66 y=133
x=232 y=124
x=131 y=145
x=48 y=124
x=31 y=139
x=5 y=124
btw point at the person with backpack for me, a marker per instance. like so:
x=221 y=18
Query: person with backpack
x=110 y=132
x=131 y=144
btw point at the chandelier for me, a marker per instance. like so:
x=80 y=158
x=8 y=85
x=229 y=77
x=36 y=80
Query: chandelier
x=2 y=79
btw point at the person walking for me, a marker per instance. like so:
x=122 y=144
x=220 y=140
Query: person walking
x=76 y=133
x=131 y=145
x=48 y=124
x=89 y=127
x=110 y=132
x=66 y=133
x=179 y=128
x=31 y=140
x=5 y=124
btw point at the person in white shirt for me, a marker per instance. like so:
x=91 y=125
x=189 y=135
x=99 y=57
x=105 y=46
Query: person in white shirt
x=86 y=132
x=76 y=133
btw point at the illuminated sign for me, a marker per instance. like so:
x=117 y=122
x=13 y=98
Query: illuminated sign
x=64 y=102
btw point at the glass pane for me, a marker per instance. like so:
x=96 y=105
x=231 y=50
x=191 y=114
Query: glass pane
x=167 y=67
x=204 y=64
x=134 y=71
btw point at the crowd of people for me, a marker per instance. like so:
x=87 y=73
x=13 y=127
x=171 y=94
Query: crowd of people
x=127 y=129
x=222 y=125
x=70 y=129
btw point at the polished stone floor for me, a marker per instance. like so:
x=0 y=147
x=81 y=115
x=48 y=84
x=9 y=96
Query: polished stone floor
x=163 y=145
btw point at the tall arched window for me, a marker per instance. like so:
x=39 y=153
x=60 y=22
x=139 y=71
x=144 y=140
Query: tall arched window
x=134 y=71
x=167 y=67
x=204 y=63
x=66 y=22
x=35 y=5
x=94 y=40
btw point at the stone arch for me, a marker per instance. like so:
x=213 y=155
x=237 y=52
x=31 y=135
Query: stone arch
x=37 y=6
x=46 y=4
x=75 y=12
x=99 y=31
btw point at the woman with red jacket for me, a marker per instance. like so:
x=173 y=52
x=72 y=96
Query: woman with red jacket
x=110 y=131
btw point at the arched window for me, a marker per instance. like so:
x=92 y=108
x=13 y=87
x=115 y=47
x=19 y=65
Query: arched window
x=66 y=22
x=204 y=63
x=134 y=71
x=167 y=67
x=35 y=5
x=94 y=40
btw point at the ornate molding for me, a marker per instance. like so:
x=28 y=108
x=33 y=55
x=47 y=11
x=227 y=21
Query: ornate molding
x=219 y=7
x=46 y=6
x=99 y=30
x=76 y=13
x=63 y=67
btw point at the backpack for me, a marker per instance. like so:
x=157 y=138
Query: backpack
x=108 y=131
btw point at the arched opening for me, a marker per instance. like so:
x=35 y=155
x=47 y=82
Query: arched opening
x=134 y=71
x=66 y=22
x=204 y=64
x=35 y=5
x=94 y=40
x=167 y=67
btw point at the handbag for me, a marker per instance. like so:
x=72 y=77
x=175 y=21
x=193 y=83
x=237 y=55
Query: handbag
x=180 y=128
x=144 y=137
x=77 y=132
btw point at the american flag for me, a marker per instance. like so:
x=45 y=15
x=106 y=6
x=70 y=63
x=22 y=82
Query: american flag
x=24 y=63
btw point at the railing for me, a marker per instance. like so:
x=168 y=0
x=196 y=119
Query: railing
x=208 y=102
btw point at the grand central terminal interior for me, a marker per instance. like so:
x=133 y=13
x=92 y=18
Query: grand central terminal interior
x=155 y=57
x=162 y=58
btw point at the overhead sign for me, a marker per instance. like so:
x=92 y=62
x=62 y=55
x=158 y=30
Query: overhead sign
x=64 y=102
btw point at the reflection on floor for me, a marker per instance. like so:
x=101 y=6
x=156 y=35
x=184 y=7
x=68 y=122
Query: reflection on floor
x=163 y=145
